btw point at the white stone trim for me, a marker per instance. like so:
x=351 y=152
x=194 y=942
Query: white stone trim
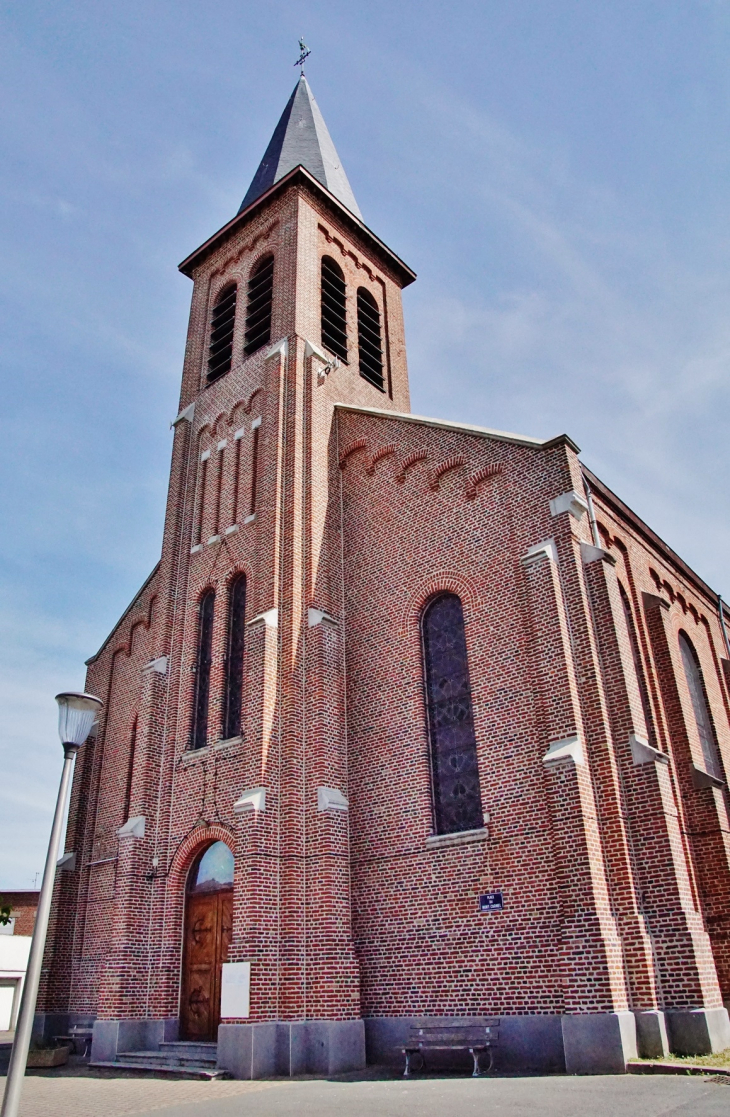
x=222 y=444
x=644 y=753
x=270 y=618
x=239 y=433
x=312 y=350
x=249 y=519
x=205 y=455
x=66 y=863
x=255 y=423
x=133 y=828
x=570 y=748
x=590 y=554
x=280 y=347
x=186 y=415
x=316 y=616
x=158 y=665
x=546 y=549
x=252 y=800
x=198 y=547
x=232 y=529
x=464 y=837
x=330 y=799
x=571 y=502
x=214 y=539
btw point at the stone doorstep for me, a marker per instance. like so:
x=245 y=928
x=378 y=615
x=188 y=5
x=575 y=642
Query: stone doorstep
x=163 y=1068
x=647 y=1066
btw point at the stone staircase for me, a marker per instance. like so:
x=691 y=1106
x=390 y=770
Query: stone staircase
x=185 y=1059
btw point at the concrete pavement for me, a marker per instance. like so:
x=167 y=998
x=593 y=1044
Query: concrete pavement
x=85 y=1095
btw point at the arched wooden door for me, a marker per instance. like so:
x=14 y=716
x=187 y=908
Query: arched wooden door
x=208 y=922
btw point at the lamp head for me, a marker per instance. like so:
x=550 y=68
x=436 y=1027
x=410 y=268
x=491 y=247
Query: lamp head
x=76 y=715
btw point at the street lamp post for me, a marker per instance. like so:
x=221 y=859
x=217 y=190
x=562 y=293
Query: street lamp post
x=76 y=715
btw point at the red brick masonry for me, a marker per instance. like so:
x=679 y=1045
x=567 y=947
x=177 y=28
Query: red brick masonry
x=606 y=836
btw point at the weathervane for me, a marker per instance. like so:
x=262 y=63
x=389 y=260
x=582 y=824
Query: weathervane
x=304 y=53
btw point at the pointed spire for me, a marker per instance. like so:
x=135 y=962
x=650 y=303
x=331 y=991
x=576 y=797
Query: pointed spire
x=301 y=137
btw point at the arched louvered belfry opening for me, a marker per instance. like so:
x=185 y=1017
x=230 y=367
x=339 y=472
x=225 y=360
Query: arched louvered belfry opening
x=700 y=706
x=258 y=307
x=457 y=799
x=334 y=308
x=220 y=353
x=639 y=668
x=369 y=338
x=234 y=657
x=203 y=662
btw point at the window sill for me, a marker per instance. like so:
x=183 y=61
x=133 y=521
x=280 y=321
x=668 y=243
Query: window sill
x=460 y=838
x=190 y=755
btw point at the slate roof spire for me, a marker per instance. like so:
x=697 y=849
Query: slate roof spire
x=301 y=136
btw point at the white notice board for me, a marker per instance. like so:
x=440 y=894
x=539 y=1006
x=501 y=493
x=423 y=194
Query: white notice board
x=235 y=990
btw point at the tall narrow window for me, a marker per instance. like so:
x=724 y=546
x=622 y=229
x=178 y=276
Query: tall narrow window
x=130 y=769
x=254 y=468
x=221 y=334
x=700 y=705
x=200 y=510
x=368 y=338
x=234 y=661
x=258 y=310
x=456 y=793
x=334 y=308
x=202 y=670
x=638 y=668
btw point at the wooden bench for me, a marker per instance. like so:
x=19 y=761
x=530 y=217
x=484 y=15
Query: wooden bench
x=477 y=1039
x=78 y=1036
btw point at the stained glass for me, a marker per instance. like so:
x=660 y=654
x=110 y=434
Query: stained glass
x=202 y=670
x=639 y=668
x=456 y=791
x=703 y=717
x=234 y=663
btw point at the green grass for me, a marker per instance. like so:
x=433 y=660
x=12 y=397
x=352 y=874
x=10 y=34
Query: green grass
x=720 y=1059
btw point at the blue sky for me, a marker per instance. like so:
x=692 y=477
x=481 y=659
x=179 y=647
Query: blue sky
x=556 y=173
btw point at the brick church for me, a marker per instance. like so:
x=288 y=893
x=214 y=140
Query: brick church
x=413 y=720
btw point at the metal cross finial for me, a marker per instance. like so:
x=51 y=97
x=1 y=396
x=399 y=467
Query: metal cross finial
x=304 y=53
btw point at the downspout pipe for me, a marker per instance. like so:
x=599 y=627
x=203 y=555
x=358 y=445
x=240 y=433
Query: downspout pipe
x=592 y=518
x=721 y=611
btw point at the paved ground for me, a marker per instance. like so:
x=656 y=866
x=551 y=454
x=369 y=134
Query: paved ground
x=53 y=1094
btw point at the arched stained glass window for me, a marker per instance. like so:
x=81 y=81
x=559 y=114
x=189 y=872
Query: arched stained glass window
x=213 y=869
x=456 y=792
x=221 y=334
x=260 y=301
x=334 y=308
x=368 y=338
x=234 y=660
x=638 y=667
x=700 y=705
x=202 y=669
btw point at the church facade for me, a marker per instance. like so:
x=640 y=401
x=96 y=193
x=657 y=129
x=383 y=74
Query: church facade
x=414 y=720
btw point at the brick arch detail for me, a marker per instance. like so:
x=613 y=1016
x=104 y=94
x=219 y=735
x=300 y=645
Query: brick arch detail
x=188 y=850
x=383 y=452
x=405 y=465
x=486 y=473
x=444 y=581
x=442 y=469
x=358 y=444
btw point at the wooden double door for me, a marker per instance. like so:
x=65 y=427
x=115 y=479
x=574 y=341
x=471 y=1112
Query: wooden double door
x=208 y=921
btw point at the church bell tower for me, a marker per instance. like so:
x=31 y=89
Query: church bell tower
x=241 y=731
